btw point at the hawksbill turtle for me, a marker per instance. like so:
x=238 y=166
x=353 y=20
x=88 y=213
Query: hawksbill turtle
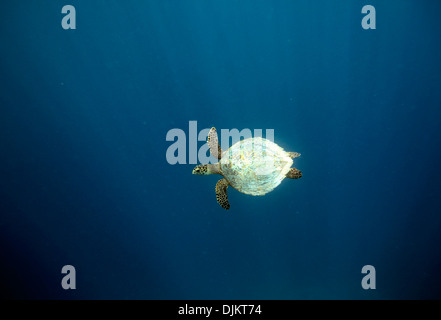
x=252 y=166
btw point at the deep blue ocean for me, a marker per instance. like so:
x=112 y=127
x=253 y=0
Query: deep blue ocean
x=85 y=180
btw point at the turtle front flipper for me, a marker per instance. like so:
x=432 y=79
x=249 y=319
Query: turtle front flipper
x=294 y=173
x=213 y=144
x=221 y=193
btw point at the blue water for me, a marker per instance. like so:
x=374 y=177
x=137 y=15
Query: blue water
x=84 y=178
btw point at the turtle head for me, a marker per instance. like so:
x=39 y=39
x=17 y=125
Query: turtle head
x=201 y=169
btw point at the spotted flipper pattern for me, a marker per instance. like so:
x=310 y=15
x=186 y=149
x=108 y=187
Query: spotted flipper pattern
x=213 y=144
x=221 y=193
x=293 y=154
x=294 y=173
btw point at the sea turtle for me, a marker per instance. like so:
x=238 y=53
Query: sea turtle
x=252 y=166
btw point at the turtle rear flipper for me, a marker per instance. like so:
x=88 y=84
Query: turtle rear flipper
x=221 y=193
x=294 y=173
x=293 y=154
x=213 y=144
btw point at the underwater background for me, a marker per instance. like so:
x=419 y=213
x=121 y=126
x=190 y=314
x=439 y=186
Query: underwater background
x=85 y=181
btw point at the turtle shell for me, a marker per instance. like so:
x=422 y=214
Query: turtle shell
x=255 y=166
